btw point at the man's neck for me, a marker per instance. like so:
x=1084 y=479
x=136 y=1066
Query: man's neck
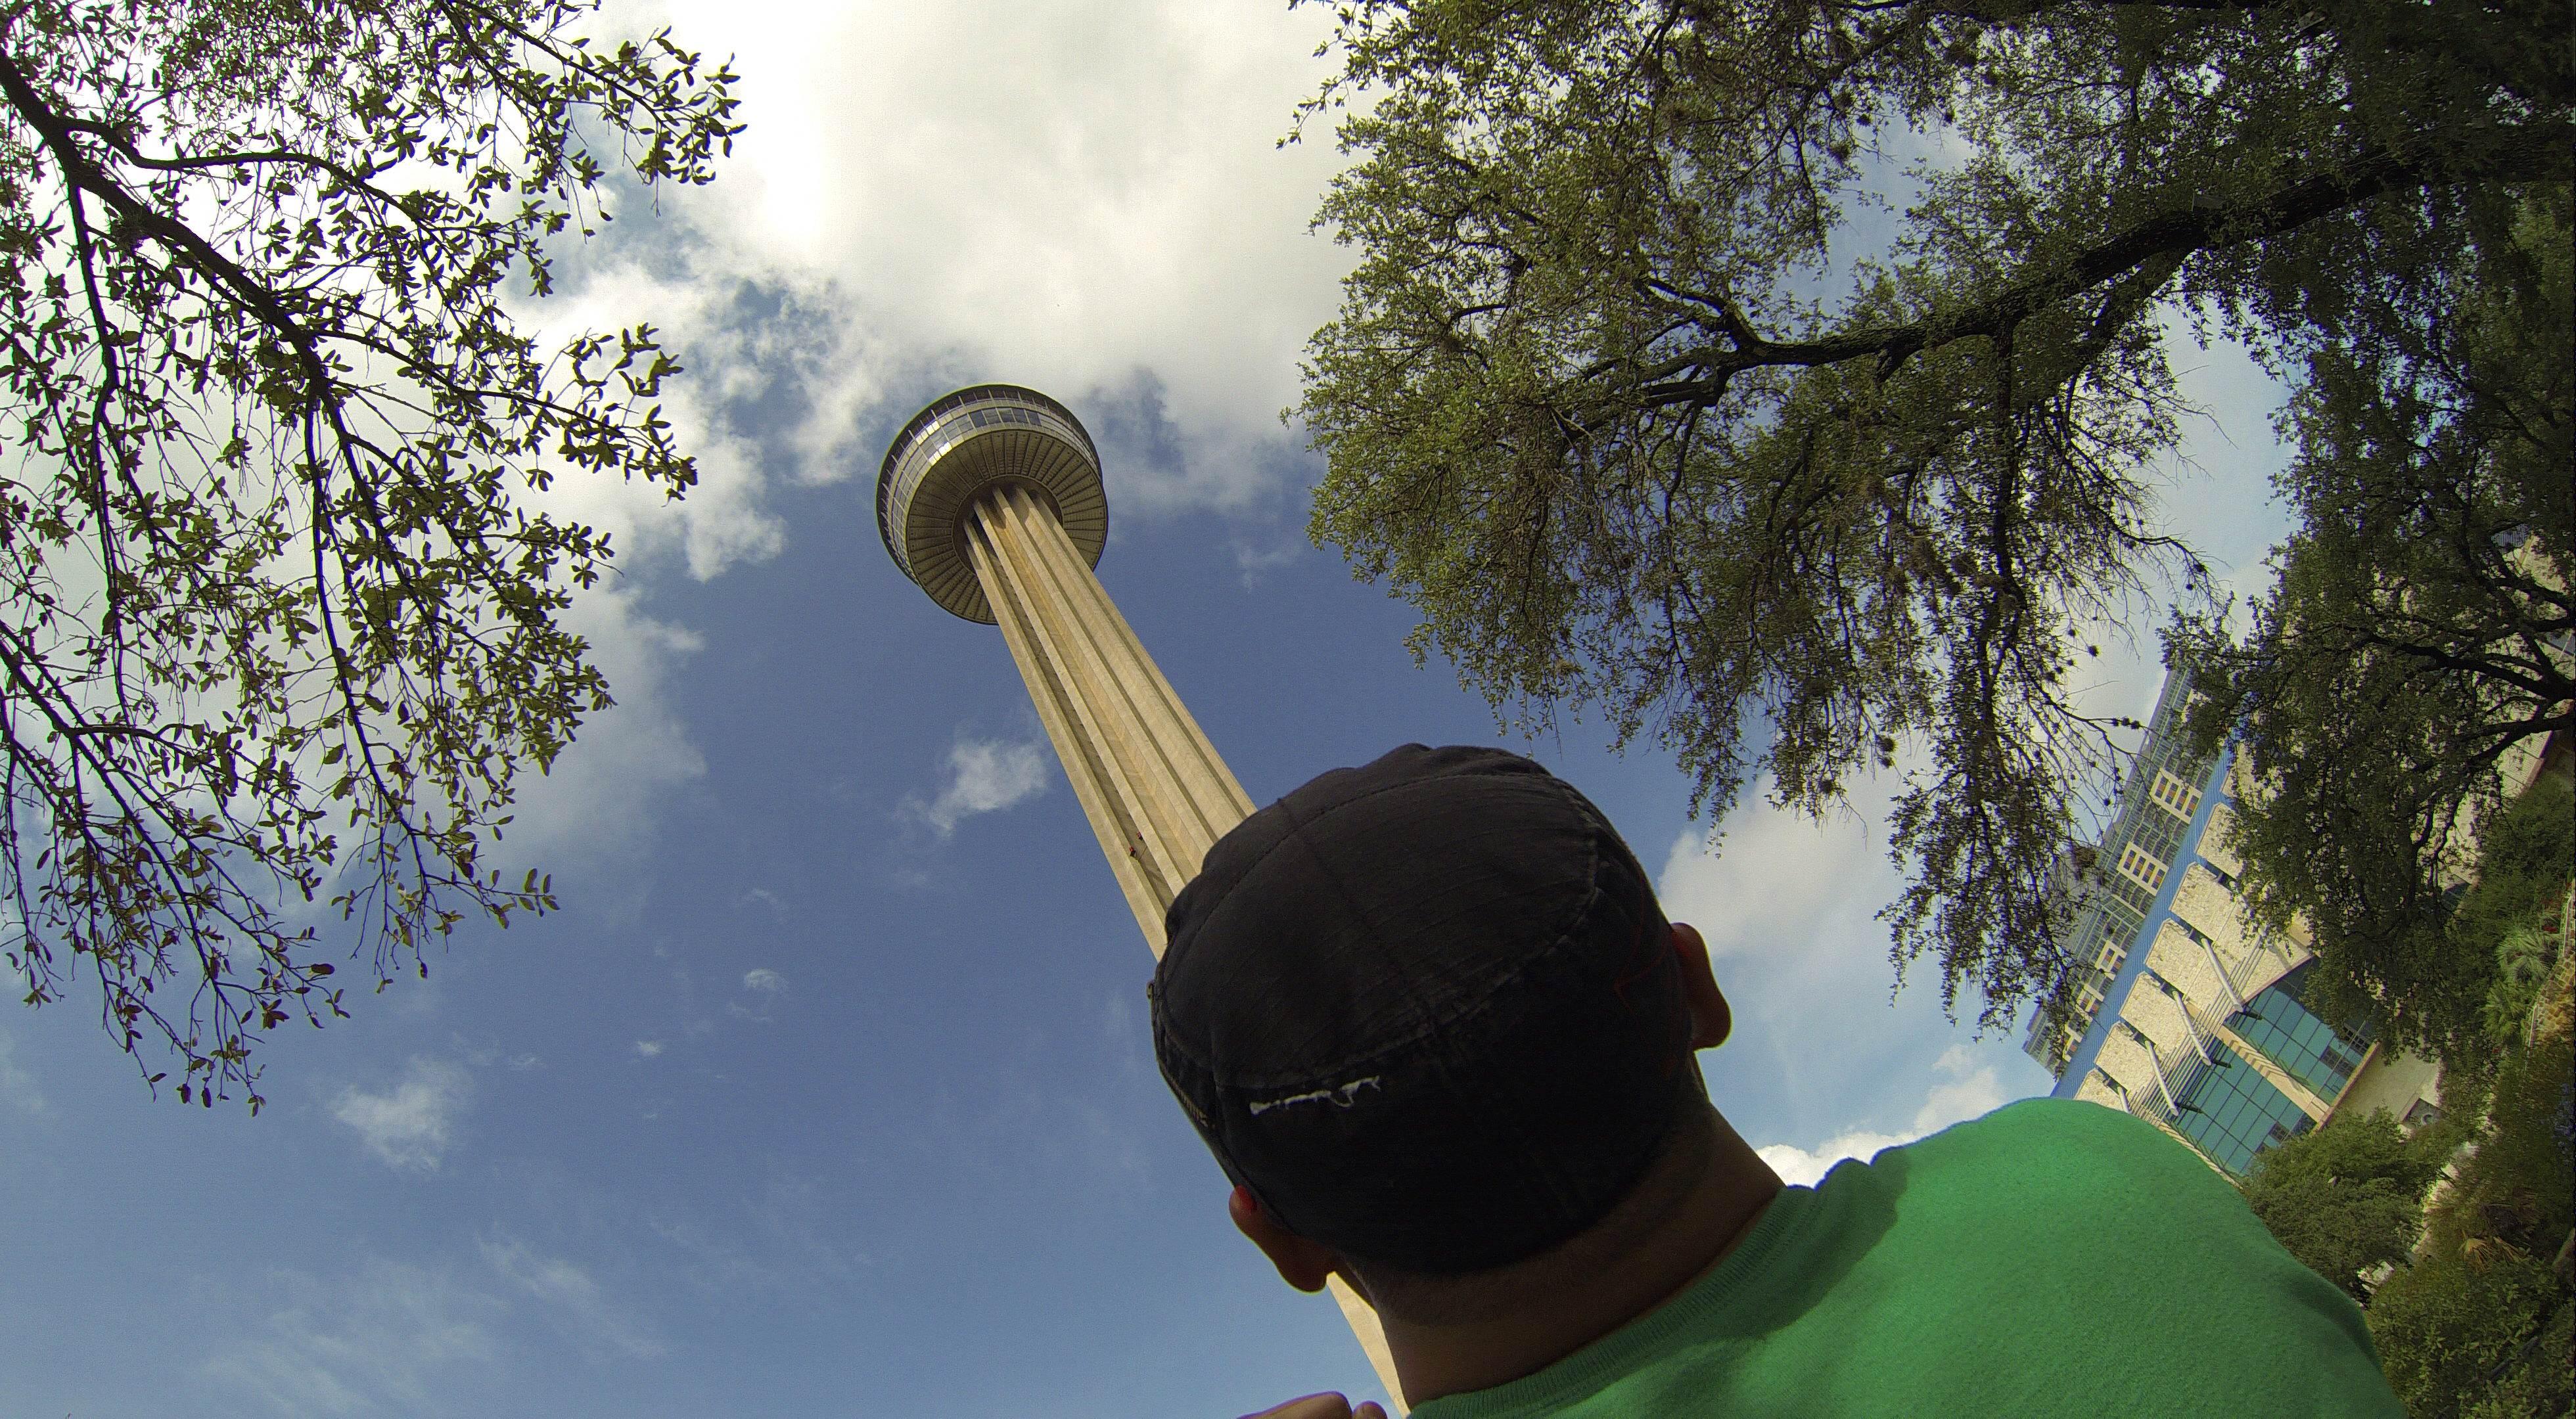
x=1719 y=1207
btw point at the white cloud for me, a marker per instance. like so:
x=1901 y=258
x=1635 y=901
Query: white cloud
x=1802 y=1167
x=761 y=982
x=410 y=1126
x=1971 y=1091
x=1255 y=563
x=984 y=776
x=1963 y=1090
x=1085 y=191
x=1088 y=198
x=1789 y=907
x=726 y=355
x=17 y=1087
x=572 y=1300
x=649 y=1048
x=1780 y=886
x=391 y=1337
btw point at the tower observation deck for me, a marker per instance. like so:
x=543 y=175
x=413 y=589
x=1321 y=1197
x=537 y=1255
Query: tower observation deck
x=990 y=499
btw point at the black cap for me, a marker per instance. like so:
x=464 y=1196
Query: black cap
x=1427 y=1010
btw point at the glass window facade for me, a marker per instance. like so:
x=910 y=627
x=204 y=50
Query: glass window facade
x=2231 y=1113
x=2304 y=1046
x=2143 y=867
x=2174 y=796
x=2117 y=889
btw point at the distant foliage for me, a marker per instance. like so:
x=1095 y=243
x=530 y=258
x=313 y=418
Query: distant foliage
x=2479 y=1325
x=1623 y=401
x=2452 y=1323
x=278 y=625
x=2345 y=1198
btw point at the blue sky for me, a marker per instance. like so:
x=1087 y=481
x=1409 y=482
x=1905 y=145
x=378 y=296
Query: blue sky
x=829 y=1092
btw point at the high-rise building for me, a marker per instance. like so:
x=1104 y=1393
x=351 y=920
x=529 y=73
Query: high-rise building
x=2187 y=1011
x=2114 y=883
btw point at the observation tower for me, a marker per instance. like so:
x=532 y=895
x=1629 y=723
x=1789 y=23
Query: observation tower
x=990 y=500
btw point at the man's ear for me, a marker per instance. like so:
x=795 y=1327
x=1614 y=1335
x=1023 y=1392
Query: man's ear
x=1302 y=1263
x=1712 y=1019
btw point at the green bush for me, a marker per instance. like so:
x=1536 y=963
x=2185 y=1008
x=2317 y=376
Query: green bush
x=2522 y=963
x=2345 y=1198
x=2520 y=1184
x=2526 y=855
x=2526 y=852
x=2445 y=1324
x=2478 y=1327
x=2538 y=1383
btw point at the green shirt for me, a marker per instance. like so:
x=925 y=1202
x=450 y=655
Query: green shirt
x=2052 y=1258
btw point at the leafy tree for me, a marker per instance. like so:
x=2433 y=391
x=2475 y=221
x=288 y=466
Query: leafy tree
x=278 y=621
x=2479 y=1325
x=1625 y=399
x=2444 y=1328
x=2423 y=633
x=2344 y=1198
x=2515 y=918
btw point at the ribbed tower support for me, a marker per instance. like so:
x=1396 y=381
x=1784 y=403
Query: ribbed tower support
x=1153 y=786
x=990 y=500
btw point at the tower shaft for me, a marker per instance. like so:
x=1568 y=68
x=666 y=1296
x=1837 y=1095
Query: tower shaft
x=1156 y=791
x=1153 y=786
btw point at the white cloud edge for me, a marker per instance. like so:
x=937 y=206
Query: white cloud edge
x=387 y=1336
x=1960 y=1093
x=983 y=776
x=390 y=1336
x=572 y=1298
x=411 y=1126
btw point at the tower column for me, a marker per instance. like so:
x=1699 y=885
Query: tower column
x=990 y=500
x=1156 y=791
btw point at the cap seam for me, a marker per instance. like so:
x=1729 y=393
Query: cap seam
x=1581 y=911
x=1536 y=1166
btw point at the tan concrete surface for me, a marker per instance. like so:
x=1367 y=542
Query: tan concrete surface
x=2392 y=1080
x=2206 y=903
x=2192 y=967
x=2213 y=841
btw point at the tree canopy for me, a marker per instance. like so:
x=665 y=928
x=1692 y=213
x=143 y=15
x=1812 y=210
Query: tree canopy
x=2420 y=644
x=2480 y=1322
x=1778 y=380
x=2347 y=1197
x=279 y=624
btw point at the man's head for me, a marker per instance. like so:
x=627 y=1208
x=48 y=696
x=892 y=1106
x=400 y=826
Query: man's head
x=1428 y=1015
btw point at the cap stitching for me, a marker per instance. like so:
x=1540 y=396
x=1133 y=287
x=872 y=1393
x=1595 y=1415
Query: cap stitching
x=1582 y=908
x=1340 y=1097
